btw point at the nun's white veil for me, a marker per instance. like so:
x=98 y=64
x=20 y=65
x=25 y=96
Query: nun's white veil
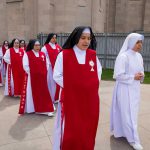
x=129 y=43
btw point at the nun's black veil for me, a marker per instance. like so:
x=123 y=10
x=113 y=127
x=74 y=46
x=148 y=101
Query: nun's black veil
x=22 y=41
x=49 y=37
x=12 y=42
x=30 y=45
x=74 y=37
x=4 y=43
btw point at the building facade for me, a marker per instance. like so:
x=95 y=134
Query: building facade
x=25 y=19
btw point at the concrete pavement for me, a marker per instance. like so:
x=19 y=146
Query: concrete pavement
x=34 y=132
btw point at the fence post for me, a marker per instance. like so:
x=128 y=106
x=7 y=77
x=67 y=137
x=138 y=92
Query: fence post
x=61 y=38
x=105 y=51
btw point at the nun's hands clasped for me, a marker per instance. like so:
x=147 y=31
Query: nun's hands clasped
x=138 y=76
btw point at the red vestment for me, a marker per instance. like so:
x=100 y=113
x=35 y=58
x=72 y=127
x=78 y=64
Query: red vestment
x=80 y=103
x=52 y=53
x=17 y=70
x=38 y=72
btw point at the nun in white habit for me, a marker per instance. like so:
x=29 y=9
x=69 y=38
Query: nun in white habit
x=128 y=73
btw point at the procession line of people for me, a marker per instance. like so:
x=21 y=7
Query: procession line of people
x=71 y=75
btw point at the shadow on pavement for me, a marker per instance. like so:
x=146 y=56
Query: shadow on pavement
x=7 y=101
x=119 y=144
x=27 y=124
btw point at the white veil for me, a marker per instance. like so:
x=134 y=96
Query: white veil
x=129 y=43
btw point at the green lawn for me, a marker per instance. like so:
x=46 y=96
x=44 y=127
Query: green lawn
x=108 y=74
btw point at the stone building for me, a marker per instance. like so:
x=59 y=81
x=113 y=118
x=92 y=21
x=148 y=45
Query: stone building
x=26 y=18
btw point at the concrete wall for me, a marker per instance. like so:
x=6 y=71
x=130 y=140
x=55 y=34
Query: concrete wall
x=26 y=18
x=147 y=16
x=3 y=21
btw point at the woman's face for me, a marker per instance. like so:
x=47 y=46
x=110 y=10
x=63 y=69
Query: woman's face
x=138 y=46
x=16 y=44
x=53 y=39
x=37 y=46
x=84 y=41
x=22 y=44
x=5 y=43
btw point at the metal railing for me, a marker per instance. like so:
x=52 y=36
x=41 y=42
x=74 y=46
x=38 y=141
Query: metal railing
x=108 y=47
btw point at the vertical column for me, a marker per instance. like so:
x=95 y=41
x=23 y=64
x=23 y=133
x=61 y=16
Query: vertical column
x=3 y=19
x=147 y=16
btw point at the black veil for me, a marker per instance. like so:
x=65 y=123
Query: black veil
x=74 y=37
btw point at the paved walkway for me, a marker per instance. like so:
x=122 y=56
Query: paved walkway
x=34 y=132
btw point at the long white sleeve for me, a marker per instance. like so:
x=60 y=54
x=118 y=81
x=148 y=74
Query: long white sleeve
x=44 y=50
x=1 y=53
x=6 y=57
x=1 y=56
x=99 y=68
x=47 y=63
x=26 y=63
x=58 y=70
x=141 y=60
x=120 y=71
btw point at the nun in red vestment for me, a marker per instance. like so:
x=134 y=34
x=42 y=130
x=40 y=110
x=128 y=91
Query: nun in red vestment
x=77 y=70
x=35 y=95
x=15 y=73
x=23 y=45
x=52 y=49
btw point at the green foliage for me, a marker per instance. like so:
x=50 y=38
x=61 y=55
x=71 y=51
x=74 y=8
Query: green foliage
x=107 y=74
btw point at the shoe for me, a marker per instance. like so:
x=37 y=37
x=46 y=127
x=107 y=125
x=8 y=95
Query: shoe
x=50 y=114
x=136 y=146
x=54 y=107
x=56 y=101
x=16 y=96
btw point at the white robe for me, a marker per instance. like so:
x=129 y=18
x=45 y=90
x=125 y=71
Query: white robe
x=50 y=80
x=29 y=106
x=1 y=66
x=4 y=69
x=6 y=58
x=58 y=77
x=126 y=96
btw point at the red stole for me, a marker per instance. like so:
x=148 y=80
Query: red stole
x=38 y=72
x=17 y=70
x=23 y=48
x=23 y=95
x=9 y=81
x=52 y=53
x=81 y=101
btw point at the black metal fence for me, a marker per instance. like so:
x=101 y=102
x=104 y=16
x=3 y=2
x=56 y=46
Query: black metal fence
x=108 y=46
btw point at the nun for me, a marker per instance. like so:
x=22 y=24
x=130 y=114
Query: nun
x=78 y=71
x=51 y=50
x=128 y=73
x=35 y=96
x=15 y=73
x=5 y=46
x=1 y=66
x=23 y=45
